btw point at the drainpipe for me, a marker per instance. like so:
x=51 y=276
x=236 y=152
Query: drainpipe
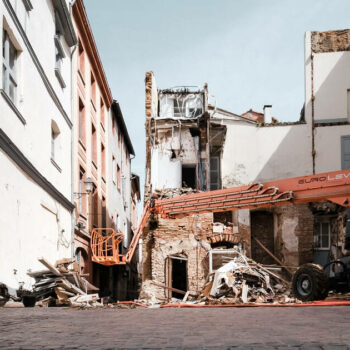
x=313 y=151
x=72 y=136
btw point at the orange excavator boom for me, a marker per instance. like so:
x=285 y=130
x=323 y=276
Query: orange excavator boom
x=332 y=186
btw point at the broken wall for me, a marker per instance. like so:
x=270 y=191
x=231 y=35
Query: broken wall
x=190 y=237
x=257 y=154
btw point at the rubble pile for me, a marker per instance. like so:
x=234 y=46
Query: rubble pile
x=61 y=285
x=242 y=280
x=174 y=192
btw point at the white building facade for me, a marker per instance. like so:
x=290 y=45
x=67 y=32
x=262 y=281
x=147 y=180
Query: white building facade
x=35 y=136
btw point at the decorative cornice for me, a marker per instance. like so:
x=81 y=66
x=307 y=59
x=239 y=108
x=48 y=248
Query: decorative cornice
x=25 y=165
x=84 y=29
x=37 y=64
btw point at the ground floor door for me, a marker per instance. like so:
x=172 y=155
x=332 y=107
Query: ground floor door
x=176 y=276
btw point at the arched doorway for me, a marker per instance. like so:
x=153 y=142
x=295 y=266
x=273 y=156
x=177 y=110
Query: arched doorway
x=81 y=257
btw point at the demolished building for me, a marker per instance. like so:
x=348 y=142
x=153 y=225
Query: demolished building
x=193 y=146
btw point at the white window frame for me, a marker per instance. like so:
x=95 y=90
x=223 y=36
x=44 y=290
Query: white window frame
x=319 y=233
x=8 y=73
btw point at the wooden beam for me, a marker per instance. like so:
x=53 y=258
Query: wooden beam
x=273 y=256
x=169 y=288
x=52 y=268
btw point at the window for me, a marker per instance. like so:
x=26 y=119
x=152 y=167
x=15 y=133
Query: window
x=81 y=121
x=93 y=89
x=9 y=77
x=126 y=157
x=59 y=51
x=82 y=198
x=102 y=113
x=81 y=60
x=189 y=178
x=114 y=171
x=94 y=144
x=214 y=173
x=114 y=127
x=55 y=131
x=118 y=177
x=116 y=221
x=124 y=189
x=103 y=161
x=179 y=107
x=126 y=236
x=104 y=212
x=95 y=206
x=322 y=235
x=345 y=152
x=28 y=5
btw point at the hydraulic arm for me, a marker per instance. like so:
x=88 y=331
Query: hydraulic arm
x=332 y=186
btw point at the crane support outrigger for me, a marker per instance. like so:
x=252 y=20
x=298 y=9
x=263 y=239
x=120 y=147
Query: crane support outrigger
x=331 y=186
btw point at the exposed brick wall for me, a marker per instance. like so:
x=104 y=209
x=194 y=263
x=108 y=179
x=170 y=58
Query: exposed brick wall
x=294 y=225
x=330 y=41
x=180 y=236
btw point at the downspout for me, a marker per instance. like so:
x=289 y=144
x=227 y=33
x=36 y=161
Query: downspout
x=72 y=136
x=313 y=151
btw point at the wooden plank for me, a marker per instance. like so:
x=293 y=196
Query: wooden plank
x=52 y=268
x=273 y=256
x=169 y=288
x=90 y=287
x=44 y=281
x=38 y=273
x=271 y=273
x=64 y=291
x=70 y=287
x=64 y=261
x=186 y=296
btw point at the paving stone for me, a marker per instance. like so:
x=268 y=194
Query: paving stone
x=229 y=328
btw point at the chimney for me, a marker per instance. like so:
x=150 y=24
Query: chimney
x=267 y=114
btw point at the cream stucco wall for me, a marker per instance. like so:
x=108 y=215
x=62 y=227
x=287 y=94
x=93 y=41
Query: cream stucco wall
x=331 y=82
x=254 y=153
x=328 y=147
x=33 y=223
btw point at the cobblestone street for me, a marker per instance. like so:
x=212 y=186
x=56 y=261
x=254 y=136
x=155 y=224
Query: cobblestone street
x=215 y=328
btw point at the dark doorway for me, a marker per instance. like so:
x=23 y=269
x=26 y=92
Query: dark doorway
x=176 y=275
x=262 y=229
x=189 y=176
x=179 y=276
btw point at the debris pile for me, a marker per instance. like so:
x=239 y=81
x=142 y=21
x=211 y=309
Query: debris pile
x=174 y=192
x=59 y=285
x=242 y=280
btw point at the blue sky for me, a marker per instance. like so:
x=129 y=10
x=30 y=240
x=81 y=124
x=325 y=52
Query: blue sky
x=249 y=52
